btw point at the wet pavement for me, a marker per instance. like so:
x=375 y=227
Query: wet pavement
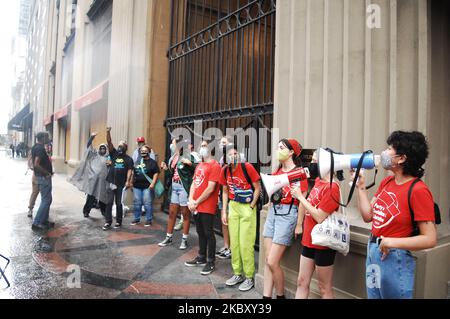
x=77 y=259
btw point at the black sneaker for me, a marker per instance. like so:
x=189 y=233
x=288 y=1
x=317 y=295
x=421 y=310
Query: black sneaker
x=226 y=254
x=209 y=268
x=86 y=215
x=148 y=223
x=106 y=227
x=38 y=228
x=135 y=222
x=117 y=225
x=218 y=253
x=166 y=242
x=197 y=261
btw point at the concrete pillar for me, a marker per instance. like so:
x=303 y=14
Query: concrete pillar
x=120 y=70
x=58 y=150
x=78 y=89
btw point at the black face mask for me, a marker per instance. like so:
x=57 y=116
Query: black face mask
x=313 y=170
x=121 y=150
x=144 y=155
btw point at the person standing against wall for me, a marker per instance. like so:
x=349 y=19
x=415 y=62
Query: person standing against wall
x=203 y=198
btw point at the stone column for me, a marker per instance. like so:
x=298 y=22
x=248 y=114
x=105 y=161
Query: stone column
x=78 y=89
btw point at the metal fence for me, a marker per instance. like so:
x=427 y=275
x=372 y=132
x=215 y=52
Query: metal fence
x=222 y=65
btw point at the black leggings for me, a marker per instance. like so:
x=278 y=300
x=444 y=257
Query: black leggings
x=206 y=237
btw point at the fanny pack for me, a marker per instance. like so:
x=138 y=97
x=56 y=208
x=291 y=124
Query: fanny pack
x=244 y=196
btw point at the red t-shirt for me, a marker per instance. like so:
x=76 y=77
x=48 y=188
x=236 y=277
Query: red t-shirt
x=320 y=197
x=391 y=215
x=239 y=181
x=286 y=191
x=205 y=173
x=174 y=165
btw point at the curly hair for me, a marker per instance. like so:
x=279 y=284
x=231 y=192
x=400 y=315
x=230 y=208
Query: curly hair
x=414 y=146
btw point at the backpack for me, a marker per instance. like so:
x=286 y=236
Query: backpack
x=437 y=211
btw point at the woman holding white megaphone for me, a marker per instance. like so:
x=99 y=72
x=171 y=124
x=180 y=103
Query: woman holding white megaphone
x=320 y=204
x=282 y=218
x=402 y=213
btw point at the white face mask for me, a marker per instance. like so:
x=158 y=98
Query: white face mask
x=204 y=152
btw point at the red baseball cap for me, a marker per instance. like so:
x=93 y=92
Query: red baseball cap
x=296 y=147
x=140 y=140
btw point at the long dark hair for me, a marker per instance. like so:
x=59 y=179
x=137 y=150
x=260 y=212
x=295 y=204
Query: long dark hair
x=297 y=159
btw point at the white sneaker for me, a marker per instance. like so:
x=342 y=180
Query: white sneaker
x=248 y=284
x=236 y=279
x=166 y=242
x=184 y=244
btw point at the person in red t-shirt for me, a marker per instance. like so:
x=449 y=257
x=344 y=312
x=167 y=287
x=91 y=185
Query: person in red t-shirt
x=282 y=219
x=241 y=189
x=321 y=203
x=390 y=266
x=203 y=198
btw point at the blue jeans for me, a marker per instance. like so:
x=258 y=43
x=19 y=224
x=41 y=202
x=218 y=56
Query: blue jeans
x=45 y=188
x=143 y=197
x=179 y=195
x=280 y=226
x=392 y=278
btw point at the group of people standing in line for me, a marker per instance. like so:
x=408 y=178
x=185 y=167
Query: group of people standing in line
x=198 y=185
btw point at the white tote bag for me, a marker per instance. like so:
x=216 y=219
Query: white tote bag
x=333 y=232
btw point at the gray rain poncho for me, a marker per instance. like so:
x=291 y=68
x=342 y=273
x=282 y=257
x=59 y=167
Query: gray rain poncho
x=90 y=177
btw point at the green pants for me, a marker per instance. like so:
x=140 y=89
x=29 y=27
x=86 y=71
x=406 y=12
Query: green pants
x=242 y=228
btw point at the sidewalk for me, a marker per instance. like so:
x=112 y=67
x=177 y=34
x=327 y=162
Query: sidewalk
x=125 y=263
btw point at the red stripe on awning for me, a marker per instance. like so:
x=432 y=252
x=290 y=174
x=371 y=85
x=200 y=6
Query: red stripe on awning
x=91 y=97
x=48 y=120
x=63 y=112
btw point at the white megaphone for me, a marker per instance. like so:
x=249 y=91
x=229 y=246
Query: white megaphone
x=273 y=183
x=344 y=161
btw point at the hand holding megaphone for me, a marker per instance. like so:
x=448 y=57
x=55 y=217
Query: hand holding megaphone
x=345 y=161
x=273 y=183
x=361 y=181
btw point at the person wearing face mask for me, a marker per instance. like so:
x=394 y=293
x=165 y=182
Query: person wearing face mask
x=390 y=266
x=203 y=197
x=120 y=177
x=145 y=176
x=180 y=172
x=321 y=203
x=196 y=157
x=225 y=251
x=140 y=141
x=240 y=194
x=90 y=177
x=282 y=219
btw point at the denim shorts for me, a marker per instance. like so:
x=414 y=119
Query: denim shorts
x=392 y=278
x=179 y=195
x=281 y=226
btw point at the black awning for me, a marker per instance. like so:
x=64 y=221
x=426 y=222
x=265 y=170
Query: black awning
x=16 y=123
